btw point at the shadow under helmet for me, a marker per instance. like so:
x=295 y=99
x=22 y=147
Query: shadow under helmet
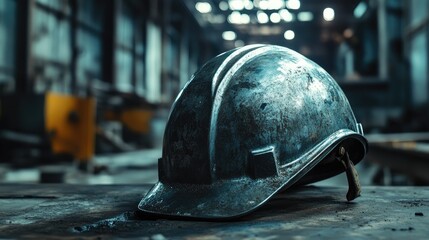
x=251 y=122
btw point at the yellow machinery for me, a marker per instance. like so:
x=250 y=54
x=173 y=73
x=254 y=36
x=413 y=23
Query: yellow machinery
x=66 y=123
x=70 y=123
x=135 y=119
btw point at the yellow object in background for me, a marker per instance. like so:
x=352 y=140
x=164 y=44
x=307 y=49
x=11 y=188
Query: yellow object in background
x=135 y=119
x=70 y=121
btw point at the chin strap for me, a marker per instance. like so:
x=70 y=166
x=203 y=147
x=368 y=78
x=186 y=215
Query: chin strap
x=352 y=175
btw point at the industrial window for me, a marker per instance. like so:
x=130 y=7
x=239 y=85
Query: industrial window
x=418 y=46
x=171 y=65
x=50 y=46
x=7 y=45
x=66 y=39
x=174 y=34
x=89 y=42
x=130 y=50
x=153 y=57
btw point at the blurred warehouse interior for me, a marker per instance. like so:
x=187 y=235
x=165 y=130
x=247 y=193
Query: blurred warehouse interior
x=88 y=84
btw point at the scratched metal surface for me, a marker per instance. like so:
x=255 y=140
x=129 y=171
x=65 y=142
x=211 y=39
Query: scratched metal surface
x=107 y=212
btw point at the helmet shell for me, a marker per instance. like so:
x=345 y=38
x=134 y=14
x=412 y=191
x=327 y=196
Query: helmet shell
x=250 y=122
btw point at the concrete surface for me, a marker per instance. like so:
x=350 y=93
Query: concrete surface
x=110 y=211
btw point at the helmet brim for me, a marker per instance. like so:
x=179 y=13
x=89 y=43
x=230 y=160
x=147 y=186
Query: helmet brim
x=226 y=199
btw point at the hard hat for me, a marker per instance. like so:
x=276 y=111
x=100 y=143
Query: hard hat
x=251 y=122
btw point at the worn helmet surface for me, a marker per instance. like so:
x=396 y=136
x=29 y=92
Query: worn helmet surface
x=251 y=122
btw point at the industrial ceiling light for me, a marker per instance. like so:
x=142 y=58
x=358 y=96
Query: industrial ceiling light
x=328 y=14
x=244 y=19
x=275 y=17
x=223 y=6
x=286 y=15
x=305 y=16
x=289 y=35
x=234 y=18
x=348 y=33
x=238 y=18
x=262 y=17
x=293 y=4
x=203 y=7
x=229 y=35
x=236 y=5
x=275 y=4
x=238 y=43
x=216 y=18
x=264 y=5
x=360 y=9
x=248 y=5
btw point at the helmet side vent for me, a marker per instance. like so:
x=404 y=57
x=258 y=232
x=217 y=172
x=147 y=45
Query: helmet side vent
x=262 y=163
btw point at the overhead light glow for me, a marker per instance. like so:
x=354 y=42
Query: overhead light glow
x=293 y=4
x=229 y=35
x=262 y=17
x=289 y=35
x=264 y=4
x=360 y=9
x=275 y=4
x=328 y=14
x=216 y=19
x=348 y=33
x=244 y=18
x=237 y=18
x=275 y=17
x=305 y=16
x=203 y=7
x=248 y=5
x=236 y=5
x=234 y=18
x=238 y=43
x=223 y=6
x=286 y=15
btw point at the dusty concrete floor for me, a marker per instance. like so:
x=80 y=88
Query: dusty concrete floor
x=47 y=211
x=85 y=209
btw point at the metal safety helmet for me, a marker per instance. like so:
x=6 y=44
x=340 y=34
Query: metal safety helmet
x=251 y=122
